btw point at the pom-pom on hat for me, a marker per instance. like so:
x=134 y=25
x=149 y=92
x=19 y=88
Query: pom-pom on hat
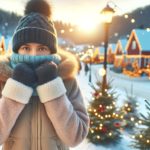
x=36 y=27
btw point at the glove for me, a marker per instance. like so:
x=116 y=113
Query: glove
x=46 y=72
x=24 y=74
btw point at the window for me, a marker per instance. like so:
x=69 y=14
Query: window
x=133 y=45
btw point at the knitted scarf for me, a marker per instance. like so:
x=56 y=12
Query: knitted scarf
x=33 y=62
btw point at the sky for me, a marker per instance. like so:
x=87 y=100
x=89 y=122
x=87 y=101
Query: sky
x=78 y=12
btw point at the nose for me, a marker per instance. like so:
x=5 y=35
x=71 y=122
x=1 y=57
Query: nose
x=33 y=52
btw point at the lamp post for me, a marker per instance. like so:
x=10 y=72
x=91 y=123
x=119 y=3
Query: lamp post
x=107 y=12
x=90 y=53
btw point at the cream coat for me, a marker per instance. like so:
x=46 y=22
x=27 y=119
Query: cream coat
x=54 y=125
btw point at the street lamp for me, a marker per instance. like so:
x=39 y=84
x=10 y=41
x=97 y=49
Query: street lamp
x=107 y=12
x=90 y=53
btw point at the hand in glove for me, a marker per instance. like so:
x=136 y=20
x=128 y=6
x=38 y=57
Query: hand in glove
x=46 y=72
x=24 y=74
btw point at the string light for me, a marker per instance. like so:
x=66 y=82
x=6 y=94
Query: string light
x=132 y=119
x=140 y=122
x=110 y=134
x=117 y=115
x=133 y=136
x=62 y=31
x=121 y=117
x=111 y=107
x=141 y=136
x=98 y=137
x=109 y=95
x=102 y=117
x=96 y=114
x=90 y=109
x=126 y=16
x=148 y=141
x=92 y=131
x=107 y=107
x=132 y=20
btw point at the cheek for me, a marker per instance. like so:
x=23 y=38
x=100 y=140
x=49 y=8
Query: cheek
x=45 y=53
x=20 y=51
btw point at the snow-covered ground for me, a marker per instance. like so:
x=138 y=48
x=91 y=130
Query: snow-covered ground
x=121 y=85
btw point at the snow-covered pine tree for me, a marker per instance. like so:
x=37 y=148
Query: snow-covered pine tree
x=104 y=121
x=142 y=138
x=129 y=113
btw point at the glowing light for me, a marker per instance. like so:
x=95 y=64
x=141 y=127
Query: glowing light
x=87 y=25
x=121 y=117
x=102 y=117
x=133 y=137
x=111 y=107
x=110 y=134
x=92 y=131
x=96 y=114
x=70 y=30
x=107 y=107
x=140 y=122
x=132 y=119
x=148 y=141
x=90 y=109
x=132 y=20
x=62 y=31
x=102 y=72
x=129 y=109
x=98 y=137
x=117 y=115
x=126 y=16
x=141 y=136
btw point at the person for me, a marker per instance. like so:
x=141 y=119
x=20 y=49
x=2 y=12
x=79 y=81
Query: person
x=86 y=68
x=41 y=105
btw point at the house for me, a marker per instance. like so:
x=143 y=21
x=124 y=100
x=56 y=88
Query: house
x=120 y=52
x=111 y=53
x=138 y=48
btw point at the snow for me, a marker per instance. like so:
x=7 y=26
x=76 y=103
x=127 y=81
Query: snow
x=121 y=85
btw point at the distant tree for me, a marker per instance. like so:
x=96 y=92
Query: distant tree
x=142 y=136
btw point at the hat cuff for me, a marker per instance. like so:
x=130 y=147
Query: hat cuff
x=34 y=35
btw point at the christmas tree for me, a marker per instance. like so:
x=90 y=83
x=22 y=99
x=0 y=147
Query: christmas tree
x=104 y=121
x=129 y=113
x=142 y=138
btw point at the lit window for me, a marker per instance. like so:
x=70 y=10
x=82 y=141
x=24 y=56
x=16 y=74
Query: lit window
x=133 y=45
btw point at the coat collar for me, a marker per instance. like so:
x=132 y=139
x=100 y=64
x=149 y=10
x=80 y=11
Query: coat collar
x=68 y=67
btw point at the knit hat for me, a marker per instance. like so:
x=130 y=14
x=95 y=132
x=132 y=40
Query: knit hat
x=36 y=27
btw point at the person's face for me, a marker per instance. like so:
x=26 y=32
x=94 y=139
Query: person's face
x=34 y=49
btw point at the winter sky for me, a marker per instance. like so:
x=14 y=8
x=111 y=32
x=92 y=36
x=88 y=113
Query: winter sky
x=77 y=11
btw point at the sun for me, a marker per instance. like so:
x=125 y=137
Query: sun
x=87 y=24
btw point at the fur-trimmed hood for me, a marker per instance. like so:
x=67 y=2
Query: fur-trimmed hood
x=68 y=67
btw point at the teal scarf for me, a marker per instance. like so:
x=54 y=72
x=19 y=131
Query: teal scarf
x=33 y=62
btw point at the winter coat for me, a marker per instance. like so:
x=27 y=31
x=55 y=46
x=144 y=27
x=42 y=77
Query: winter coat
x=54 y=125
